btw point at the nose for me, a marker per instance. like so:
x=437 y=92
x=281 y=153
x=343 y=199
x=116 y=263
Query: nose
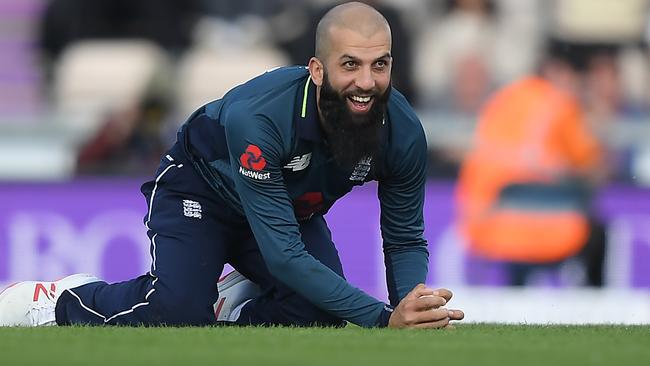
x=365 y=79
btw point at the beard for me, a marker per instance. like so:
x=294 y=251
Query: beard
x=351 y=136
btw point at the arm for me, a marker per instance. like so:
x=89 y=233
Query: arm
x=256 y=152
x=401 y=194
x=269 y=211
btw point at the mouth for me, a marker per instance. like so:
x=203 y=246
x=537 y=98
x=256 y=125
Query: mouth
x=360 y=104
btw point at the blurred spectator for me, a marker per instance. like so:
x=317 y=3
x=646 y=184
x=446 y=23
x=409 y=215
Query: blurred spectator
x=609 y=107
x=128 y=143
x=524 y=190
x=454 y=68
x=607 y=37
x=454 y=58
x=124 y=121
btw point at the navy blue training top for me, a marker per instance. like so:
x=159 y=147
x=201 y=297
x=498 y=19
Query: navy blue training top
x=261 y=149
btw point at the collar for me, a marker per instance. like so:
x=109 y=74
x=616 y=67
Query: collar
x=306 y=117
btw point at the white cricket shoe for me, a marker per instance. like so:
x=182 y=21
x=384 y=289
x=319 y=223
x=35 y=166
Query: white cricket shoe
x=235 y=291
x=32 y=303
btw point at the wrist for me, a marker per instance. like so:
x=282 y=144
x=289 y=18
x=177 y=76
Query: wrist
x=384 y=316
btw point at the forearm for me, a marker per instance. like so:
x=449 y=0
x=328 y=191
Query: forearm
x=406 y=267
x=324 y=288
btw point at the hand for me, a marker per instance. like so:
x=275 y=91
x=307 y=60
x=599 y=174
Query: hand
x=422 y=308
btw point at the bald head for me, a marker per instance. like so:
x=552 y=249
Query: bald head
x=355 y=16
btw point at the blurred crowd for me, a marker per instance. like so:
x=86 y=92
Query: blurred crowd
x=134 y=69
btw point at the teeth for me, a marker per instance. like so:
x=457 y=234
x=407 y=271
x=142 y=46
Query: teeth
x=360 y=99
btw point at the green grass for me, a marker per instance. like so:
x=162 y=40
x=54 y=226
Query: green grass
x=480 y=344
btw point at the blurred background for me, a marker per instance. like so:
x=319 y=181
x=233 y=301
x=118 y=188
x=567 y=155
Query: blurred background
x=537 y=116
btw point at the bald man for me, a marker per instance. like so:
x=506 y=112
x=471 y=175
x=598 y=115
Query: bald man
x=248 y=182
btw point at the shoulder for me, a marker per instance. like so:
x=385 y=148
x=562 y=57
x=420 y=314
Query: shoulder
x=405 y=126
x=269 y=83
x=268 y=97
x=403 y=157
x=405 y=150
x=262 y=109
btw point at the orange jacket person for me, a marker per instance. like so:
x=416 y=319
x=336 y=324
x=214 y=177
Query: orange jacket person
x=530 y=134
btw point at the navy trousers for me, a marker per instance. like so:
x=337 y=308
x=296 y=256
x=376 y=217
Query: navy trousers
x=193 y=234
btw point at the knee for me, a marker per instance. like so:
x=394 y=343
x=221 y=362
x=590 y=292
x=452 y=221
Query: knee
x=180 y=308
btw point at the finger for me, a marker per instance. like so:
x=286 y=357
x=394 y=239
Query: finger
x=444 y=293
x=456 y=314
x=438 y=314
x=428 y=302
x=430 y=316
x=419 y=291
x=433 y=325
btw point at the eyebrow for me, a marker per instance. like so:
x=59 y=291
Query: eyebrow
x=349 y=57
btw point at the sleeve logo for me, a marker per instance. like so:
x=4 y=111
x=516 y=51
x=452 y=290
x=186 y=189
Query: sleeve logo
x=252 y=158
x=252 y=162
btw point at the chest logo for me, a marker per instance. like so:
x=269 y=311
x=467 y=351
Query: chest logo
x=192 y=209
x=361 y=170
x=299 y=162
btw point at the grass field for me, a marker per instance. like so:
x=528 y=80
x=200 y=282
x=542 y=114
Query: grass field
x=471 y=344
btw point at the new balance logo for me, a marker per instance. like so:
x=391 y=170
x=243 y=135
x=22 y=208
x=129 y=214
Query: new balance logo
x=299 y=162
x=40 y=289
x=192 y=209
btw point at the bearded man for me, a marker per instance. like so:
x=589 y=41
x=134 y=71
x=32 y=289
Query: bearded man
x=248 y=182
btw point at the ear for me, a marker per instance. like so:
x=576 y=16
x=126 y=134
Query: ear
x=316 y=71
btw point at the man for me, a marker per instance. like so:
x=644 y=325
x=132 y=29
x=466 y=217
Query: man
x=248 y=183
x=524 y=189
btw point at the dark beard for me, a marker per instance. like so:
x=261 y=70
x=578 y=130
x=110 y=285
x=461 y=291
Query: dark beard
x=351 y=136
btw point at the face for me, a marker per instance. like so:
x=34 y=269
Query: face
x=353 y=89
x=358 y=67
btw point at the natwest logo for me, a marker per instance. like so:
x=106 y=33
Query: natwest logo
x=253 y=174
x=252 y=158
x=252 y=164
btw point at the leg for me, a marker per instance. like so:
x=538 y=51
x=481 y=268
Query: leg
x=278 y=304
x=593 y=254
x=188 y=251
x=517 y=273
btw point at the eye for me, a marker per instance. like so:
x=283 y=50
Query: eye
x=350 y=64
x=381 y=64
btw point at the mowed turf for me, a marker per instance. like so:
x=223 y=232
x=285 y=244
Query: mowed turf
x=469 y=344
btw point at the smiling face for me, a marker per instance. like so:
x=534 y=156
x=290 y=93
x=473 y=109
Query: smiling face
x=357 y=66
x=352 y=73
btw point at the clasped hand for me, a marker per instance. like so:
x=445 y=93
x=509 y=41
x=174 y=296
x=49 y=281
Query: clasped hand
x=424 y=307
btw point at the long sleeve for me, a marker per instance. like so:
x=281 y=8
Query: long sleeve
x=257 y=150
x=401 y=194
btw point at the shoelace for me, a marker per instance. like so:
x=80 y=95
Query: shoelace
x=42 y=313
